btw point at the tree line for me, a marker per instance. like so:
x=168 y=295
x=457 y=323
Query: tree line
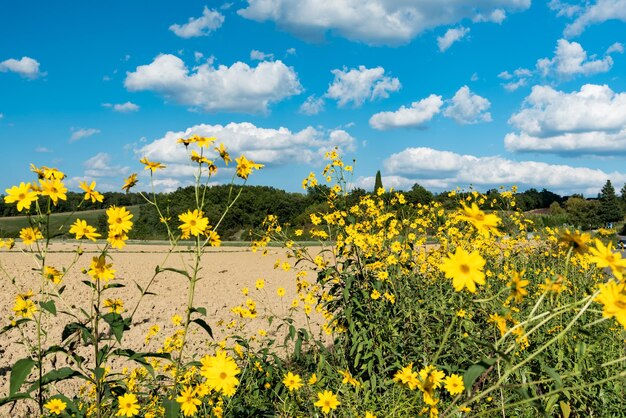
x=256 y=202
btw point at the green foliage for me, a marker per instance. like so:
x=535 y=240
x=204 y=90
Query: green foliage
x=610 y=209
x=582 y=213
x=378 y=182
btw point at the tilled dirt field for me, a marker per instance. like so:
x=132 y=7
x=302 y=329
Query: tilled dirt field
x=225 y=271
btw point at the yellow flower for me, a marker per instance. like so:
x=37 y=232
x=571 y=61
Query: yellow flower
x=292 y=381
x=115 y=305
x=55 y=406
x=203 y=141
x=21 y=194
x=407 y=376
x=52 y=274
x=613 y=297
x=429 y=380
x=90 y=192
x=30 y=235
x=348 y=379
x=150 y=165
x=578 y=241
x=184 y=141
x=24 y=307
x=117 y=240
x=224 y=154
x=47 y=173
x=499 y=321
x=100 y=270
x=245 y=167
x=214 y=239
x=454 y=384
x=220 y=372
x=375 y=294
x=128 y=405
x=390 y=297
x=260 y=284
x=604 y=256
x=485 y=224
x=81 y=229
x=517 y=286
x=465 y=269
x=54 y=189
x=313 y=379
x=193 y=223
x=280 y=292
x=327 y=401
x=177 y=320
x=188 y=401
x=130 y=182
x=119 y=219
x=197 y=158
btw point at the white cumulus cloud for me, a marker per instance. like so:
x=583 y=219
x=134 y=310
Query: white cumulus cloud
x=360 y=84
x=122 y=107
x=415 y=116
x=445 y=170
x=101 y=165
x=376 y=22
x=589 y=121
x=80 y=133
x=496 y=16
x=451 y=36
x=238 y=88
x=262 y=145
x=260 y=56
x=592 y=14
x=201 y=26
x=571 y=59
x=26 y=67
x=468 y=108
x=312 y=105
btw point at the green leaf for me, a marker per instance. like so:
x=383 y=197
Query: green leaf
x=73 y=327
x=204 y=325
x=20 y=371
x=552 y=400
x=113 y=285
x=179 y=271
x=172 y=408
x=566 y=410
x=8 y=327
x=475 y=371
x=13 y=398
x=49 y=306
x=117 y=323
x=54 y=349
x=56 y=375
x=200 y=310
x=89 y=283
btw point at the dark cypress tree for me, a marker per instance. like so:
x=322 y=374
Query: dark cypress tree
x=378 y=183
x=610 y=209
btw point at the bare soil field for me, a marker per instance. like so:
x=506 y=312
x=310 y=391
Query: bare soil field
x=225 y=271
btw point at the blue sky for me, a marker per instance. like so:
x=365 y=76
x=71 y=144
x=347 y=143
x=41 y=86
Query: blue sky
x=441 y=93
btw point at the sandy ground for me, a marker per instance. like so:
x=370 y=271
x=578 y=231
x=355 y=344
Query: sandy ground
x=225 y=271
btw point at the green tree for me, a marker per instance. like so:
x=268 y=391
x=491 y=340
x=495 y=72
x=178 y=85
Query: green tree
x=418 y=194
x=378 y=183
x=610 y=209
x=623 y=198
x=583 y=213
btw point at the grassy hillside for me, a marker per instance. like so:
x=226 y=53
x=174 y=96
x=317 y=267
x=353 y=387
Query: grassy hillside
x=59 y=222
